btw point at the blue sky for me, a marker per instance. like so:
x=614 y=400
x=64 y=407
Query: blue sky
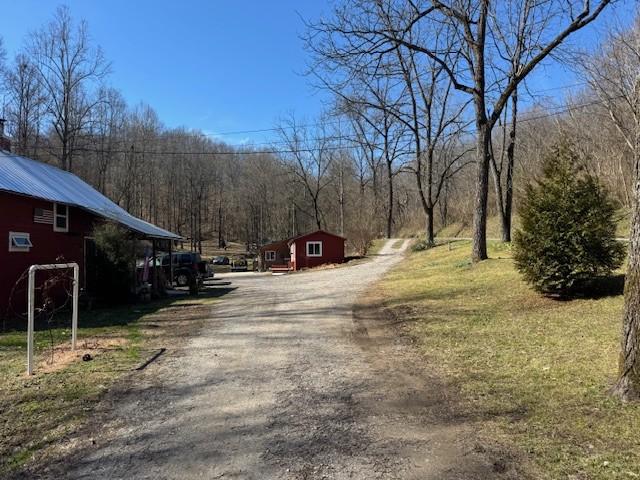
x=214 y=65
x=217 y=65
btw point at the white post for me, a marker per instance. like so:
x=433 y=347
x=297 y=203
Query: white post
x=74 y=317
x=31 y=303
x=30 y=314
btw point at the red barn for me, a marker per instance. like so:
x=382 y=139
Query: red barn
x=47 y=213
x=317 y=248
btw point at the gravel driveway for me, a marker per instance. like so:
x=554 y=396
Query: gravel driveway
x=276 y=386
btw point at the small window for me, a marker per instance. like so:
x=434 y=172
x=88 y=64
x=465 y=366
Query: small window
x=269 y=256
x=60 y=218
x=19 y=242
x=314 y=249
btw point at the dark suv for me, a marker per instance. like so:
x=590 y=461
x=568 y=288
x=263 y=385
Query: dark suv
x=186 y=265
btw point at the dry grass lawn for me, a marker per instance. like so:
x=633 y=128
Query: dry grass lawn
x=38 y=411
x=531 y=372
x=494 y=230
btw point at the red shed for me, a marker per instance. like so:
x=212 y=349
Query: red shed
x=275 y=253
x=317 y=248
x=47 y=213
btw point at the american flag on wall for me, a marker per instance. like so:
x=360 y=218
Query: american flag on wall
x=41 y=215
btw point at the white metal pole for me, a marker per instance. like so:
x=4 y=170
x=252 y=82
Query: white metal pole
x=74 y=317
x=31 y=302
x=30 y=314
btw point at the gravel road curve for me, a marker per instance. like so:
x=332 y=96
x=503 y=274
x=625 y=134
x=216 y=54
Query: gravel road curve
x=274 y=387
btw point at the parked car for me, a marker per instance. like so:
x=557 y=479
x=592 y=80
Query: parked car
x=186 y=266
x=220 y=260
x=239 y=264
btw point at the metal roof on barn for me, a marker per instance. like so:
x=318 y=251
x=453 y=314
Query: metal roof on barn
x=36 y=179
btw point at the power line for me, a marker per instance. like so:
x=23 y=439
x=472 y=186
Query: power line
x=212 y=153
x=246 y=151
x=567 y=109
x=243 y=147
x=333 y=122
x=309 y=150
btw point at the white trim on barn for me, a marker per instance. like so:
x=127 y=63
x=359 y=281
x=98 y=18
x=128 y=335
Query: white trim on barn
x=270 y=256
x=19 y=242
x=314 y=252
x=57 y=215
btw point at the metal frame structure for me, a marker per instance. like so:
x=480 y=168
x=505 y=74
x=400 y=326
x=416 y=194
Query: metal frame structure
x=31 y=298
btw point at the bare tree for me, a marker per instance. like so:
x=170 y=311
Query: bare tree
x=25 y=105
x=366 y=140
x=309 y=158
x=611 y=75
x=471 y=51
x=107 y=130
x=3 y=59
x=370 y=105
x=436 y=126
x=68 y=68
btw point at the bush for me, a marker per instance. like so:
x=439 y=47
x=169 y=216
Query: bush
x=421 y=245
x=114 y=263
x=361 y=235
x=567 y=235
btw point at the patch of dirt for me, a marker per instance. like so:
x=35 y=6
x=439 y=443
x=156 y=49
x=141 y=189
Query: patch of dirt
x=60 y=356
x=417 y=389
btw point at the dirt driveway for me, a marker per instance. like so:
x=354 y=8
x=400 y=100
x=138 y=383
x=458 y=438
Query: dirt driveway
x=280 y=384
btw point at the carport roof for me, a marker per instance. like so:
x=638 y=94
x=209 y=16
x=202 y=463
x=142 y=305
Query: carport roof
x=29 y=177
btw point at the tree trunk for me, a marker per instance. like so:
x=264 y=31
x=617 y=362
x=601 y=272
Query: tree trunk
x=390 y=192
x=220 y=236
x=341 y=199
x=506 y=227
x=628 y=384
x=444 y=205
x=200 y=226
x=508 y=194
x=479 y=248
x=504 y=196
x=316 y=210
x=429 y=227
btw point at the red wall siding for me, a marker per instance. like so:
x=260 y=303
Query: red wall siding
x=282 y=253
x=332 y=250
x=16 y=215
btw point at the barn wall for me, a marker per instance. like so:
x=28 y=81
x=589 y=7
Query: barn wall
x=16 y=215
x=332 y=250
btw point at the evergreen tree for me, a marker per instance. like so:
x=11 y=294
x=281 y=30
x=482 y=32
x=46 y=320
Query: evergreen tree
x=567 y=237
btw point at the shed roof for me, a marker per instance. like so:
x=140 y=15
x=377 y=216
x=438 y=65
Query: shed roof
x=291 y=240
x=275 y=245
x=36 y=179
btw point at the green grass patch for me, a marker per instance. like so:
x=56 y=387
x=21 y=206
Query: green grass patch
x=465 y=230
x=531 y=372
x=37 y=411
